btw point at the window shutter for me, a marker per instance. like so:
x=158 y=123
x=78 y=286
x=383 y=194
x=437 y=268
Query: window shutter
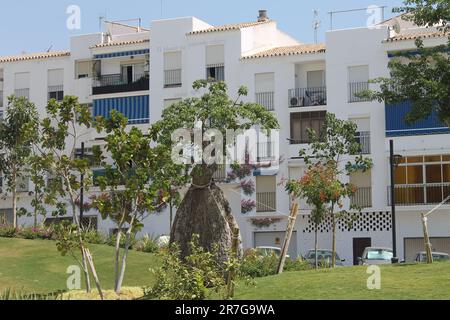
x=215 y=55
x=264 y=82
x=172 y=60
x=358 y=74
x=22 y=80
x=362 y=123
x=55 y=77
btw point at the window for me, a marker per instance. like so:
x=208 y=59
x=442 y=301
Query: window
x=88 y=155
x=215 y=63
x=316 y=79
x=302 y=121
x=56 y=84
x=264 y=90
x=172 y=69
x=87 y=69
x=358 y=81
x=22 y=84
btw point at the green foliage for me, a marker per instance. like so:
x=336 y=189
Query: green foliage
x=147 y=244
x=111 y=241
x=195 y=278
x=422 y=77
x=7 y=231
x=10 y=294
x=255 y=265
x=94 y=237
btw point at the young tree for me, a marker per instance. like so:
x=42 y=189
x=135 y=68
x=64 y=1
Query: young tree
x=18 y=133
x=422 y=77
x=330 y=151
x=132 y=183
x=37 y=172
x=204 y=209
x=61 y=134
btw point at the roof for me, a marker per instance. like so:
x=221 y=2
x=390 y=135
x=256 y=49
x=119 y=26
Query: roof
x=289 y=51
x=35 y=56
x=231 y=27
x=414 y=36
x=120 y=43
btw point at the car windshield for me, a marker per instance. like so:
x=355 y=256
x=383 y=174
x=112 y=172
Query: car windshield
x=321 y=255
x=379 y=254
x=268 y=251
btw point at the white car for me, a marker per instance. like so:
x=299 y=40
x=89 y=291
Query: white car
x=376 y=256
x=437 y=256
x=268 y=251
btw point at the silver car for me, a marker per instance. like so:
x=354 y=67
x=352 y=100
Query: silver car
x=268 y=251
x=324 y=257
x=376 y=256
x=437 y=256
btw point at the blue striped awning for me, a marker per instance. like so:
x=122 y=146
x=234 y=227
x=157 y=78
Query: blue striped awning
x=121 y=54
x=136 y=108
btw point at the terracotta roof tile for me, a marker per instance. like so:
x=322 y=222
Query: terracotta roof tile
x=230 y=27
x=35 y=56
x=120 y=43
x=289 y=51
x=414 y=36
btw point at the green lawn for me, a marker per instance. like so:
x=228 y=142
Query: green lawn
x=410 y=282
x=36 y=266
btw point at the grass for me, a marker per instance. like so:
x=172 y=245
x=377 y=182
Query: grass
x=401 y=282
x=36 y=266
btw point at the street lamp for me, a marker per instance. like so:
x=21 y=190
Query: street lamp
x=394 y=160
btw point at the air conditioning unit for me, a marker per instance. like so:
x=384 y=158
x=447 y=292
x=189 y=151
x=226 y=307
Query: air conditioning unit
x=297 y=102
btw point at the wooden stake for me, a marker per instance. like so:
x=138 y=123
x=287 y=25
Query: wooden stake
x=287 y=240
x=232 y=272
x=94 y=272
x=426 y=237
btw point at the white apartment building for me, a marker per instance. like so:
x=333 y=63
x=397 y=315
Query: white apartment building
x=140 y=71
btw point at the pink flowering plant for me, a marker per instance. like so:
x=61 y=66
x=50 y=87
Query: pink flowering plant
x=247 y=206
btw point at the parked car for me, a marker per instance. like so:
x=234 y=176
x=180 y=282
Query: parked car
x=268 y=251
x=376 y=256
x=437 y=256
x=324 y=257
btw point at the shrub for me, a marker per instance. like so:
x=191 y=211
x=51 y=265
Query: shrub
x=32 y=233
x=196 y=277
x=7 y=231
x=147 y=244
x=94 y=237
x=111 y=241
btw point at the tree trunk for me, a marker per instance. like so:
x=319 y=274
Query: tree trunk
x=316 y=247
x=121 y=276
x=88 y=255
x=117 y=256
x=14 y=197
x=35 y=209
x=204 y=211
x=333 y=249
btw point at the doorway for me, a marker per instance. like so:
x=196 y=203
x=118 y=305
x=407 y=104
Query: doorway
x=359 y=245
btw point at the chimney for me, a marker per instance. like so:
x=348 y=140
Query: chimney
x=263 y=16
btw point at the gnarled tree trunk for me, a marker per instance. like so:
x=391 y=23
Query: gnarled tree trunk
x=204 y=211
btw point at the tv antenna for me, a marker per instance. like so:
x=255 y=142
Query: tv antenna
x=316 y=24
x=49 y=48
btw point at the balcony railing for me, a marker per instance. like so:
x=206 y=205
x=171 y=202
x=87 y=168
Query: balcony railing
x=307 y=97
x=362 y=198
x=172 y=78
x=55 y=92
x=357 y=87
x=1 y=99
x=363 y=138
x=266 y=99
x=420 y=194
x=22 y=93
x=116 y=83
x=221 y=173
x=266 y=202
x=266 y=151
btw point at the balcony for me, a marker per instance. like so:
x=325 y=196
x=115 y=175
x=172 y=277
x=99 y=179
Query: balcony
x=420 y=194
x=266 y=202
x=116 y=83
x=22 y=93
x=266 y=99
x=172 y=78
x=221 y=173
x=362 y=198
x=266 y=151
x=357 y=87
x=307 y=97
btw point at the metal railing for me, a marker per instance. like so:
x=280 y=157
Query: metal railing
x=215 y=73
x=362 y=198
x=117 y=79
x=307 y=97
x=1 y=99
x=266 y=99
x=22 y=93
x=420 y=194
x=363 y=138
x=357 y=87
x=172 y=78
x=266 y=201
x=266 y=151
x=221 y=173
